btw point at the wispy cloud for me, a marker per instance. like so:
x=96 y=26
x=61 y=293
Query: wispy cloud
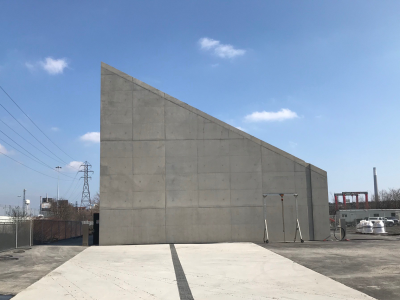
x=270 y=116
x=293 y=145
x=50 y=65
x=220 y=50
x=55 y=129
x=3 y=149
x=31 y=67
x=74 y=166
x=92 y=137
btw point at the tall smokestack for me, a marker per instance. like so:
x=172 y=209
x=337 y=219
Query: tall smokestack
x=376 y=185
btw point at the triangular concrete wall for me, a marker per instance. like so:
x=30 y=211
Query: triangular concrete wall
x=170 y=173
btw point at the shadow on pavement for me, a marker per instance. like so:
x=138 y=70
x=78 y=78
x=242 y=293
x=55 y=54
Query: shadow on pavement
x=71 y=242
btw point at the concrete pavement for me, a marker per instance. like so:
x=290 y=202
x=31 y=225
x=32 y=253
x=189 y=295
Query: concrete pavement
x=185 y=271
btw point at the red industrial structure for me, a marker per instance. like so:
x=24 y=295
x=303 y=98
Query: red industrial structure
x=344 y=194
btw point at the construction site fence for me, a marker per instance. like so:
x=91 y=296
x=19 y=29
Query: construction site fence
x=48 y=231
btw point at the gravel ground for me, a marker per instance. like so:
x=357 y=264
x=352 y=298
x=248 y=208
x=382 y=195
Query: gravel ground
x=368 y=263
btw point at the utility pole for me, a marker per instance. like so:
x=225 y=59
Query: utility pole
x=86 y=201
x=23 y=202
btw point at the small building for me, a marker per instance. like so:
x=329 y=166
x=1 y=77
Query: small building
x=352 y=215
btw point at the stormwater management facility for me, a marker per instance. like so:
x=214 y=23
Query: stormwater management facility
x=171 y=173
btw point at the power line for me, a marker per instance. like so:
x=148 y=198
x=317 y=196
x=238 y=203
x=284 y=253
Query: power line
x=30 y=167
x=21 y=152
x=34 y=123
x=29 y=141
x=35 y=158
x=69 y=189
x=31 y=133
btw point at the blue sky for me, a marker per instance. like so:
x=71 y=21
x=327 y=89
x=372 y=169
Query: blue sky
x=318 y=79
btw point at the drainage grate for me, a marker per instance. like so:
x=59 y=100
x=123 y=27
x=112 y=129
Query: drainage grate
x=183 y=286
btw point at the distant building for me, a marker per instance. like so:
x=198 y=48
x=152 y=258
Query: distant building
x=46 y=204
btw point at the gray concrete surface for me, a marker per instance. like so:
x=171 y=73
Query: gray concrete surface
x=170 y=173
x=367 y=263
x=32 y=265
x=202 y=271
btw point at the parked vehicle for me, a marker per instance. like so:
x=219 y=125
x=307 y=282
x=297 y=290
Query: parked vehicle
x=394 y=219
x=386 y=221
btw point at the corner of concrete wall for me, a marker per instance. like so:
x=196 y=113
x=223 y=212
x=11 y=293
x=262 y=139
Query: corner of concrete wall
x=317 y=182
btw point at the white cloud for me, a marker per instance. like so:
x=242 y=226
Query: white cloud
x=54 y=66
x=93 y=137
x=206 y=43
x=74 y=166
x=50 y=65
x=55 y=129
x=240 y=128
x=282 y=115
x=3 y=149
x=221 y=50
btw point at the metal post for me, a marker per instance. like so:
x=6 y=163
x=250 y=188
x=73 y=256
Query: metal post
x=357 y=201
x=297 y=221
x=283 y=220
x=344 y=201
x=23 y=203
x=336 y=203
x=366 y=200
x=266 y=238
x=30 y=233
x=376 y=186
x=16 y=233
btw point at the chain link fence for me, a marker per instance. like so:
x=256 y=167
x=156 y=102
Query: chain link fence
x=36 y=232
x=48 y=231
x=15 y=234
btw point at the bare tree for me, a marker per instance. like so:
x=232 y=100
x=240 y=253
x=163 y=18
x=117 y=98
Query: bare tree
x=18 y=214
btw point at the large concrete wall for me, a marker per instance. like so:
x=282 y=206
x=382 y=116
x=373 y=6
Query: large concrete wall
x=173 y=174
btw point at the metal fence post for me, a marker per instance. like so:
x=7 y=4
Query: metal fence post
x=30 y=233
x=16 y=233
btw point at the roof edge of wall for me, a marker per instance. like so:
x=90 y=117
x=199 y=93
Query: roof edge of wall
x=211 y=118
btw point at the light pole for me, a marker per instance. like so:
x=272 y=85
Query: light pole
x=58 y=176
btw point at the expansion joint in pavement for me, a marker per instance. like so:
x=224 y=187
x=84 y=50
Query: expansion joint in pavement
x=183 y=286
